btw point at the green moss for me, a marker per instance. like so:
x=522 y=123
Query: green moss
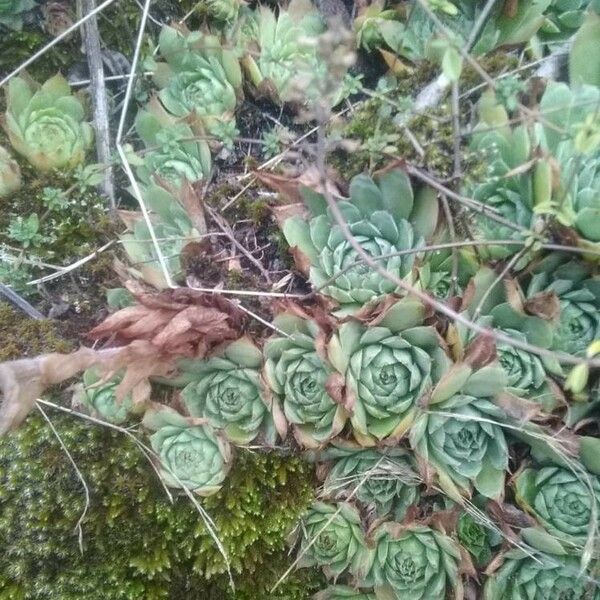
x=493 y=64
x=22 y=337
x=136 y=544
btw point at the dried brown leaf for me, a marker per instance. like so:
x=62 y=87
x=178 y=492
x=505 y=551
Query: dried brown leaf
x=545 y=305
x=481 y=351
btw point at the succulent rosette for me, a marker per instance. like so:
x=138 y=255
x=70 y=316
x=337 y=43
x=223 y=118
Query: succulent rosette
x=460 y=434
x=385 y=479
x=199 y=78
x=540 y=577
x=11 y=12
x=10 y=174
x=477 y=538
x=527 y=320
x=191 y=453
x=565 y=503
x=46 y=124
x=578 y=292
x=507 y=194
x=226 y=390
x=279 y=47
x=173 y=155
x=573 y=200
x=384 y=217
x=100 y=397
x=332 y=538
x=298 y=376
x=413 y=562
x=388 y=368
x=343 y=592
x=173 y=230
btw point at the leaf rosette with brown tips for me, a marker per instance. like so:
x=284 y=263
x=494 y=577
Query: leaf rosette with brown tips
x=385 y=218
x=563 y=501
x=460 y=433
x=389 y=366
x=332 y=538
x=414 y=562
x=303 y=381
x=191 y=453
x=227 y=391
x=386 y=479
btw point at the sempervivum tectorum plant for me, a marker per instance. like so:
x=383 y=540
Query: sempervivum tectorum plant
x=174 y=153
x=460 y=436
x=388 y=366
x=199 y=78
x=540 y=577
x=303 y=381
x=565 y=503
x=504 y=191
x=384 y=479
x=46 y=124
x=573 y=200
x=332 y=538
x=528 y=320
x=191 y=453
x=578 y=292
x=99 y=396
x=412 y=561
x=384 y=217
x=10 y=174
x=227 y=391
x=277 y=47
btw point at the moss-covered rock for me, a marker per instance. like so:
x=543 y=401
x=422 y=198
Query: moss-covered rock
x=136 y=544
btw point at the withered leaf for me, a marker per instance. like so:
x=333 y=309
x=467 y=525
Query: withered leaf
x=545 y=305
x=481 y=351
x=23 y=381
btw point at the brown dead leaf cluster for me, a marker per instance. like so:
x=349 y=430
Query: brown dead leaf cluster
x=149 y=338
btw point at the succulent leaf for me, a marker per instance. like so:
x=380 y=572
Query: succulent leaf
x=10 y=174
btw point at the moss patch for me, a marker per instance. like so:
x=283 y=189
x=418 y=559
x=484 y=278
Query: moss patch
x=136 y=544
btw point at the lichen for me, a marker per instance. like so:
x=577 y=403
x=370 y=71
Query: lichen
x=136 y=544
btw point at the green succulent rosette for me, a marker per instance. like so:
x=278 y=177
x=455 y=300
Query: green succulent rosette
x=385 y=479
x=578 y=291
x=11 y=13
x=477 y=539
x=384 y=218
x=540 y=577
x=507 y=195
x=278 y=47
x=200 y=79
x=191 y=453
x=343 y=592
x=527 y=320
x=374 y=25
x=10 y=174
x=413 y=562
x=573 y=202
x=388 y=368
x=173 y=230
x=100 y=398
x=332 y=538
x=173 y=155
x=565 y=503
x=46 y=124
x=226 y=390
x=298 y=376
x=460 y=434
x=437 y=269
